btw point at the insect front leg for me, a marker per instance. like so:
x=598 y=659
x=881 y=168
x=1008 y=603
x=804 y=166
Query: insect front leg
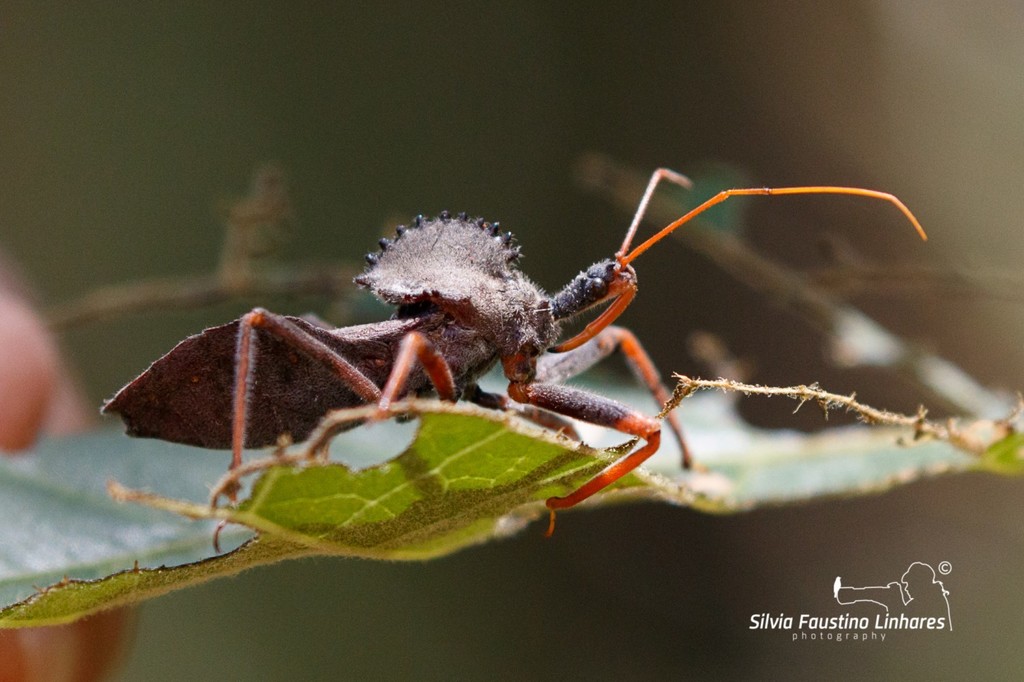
x=557 y=367
x=594 y=409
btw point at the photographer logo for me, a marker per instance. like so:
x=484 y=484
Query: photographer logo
x=917 y=601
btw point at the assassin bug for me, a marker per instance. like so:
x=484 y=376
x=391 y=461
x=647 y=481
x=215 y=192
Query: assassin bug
x=463 y=305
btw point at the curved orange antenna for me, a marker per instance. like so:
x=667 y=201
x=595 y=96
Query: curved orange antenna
x=652 y=184
x=625 y=297
x=625 y=259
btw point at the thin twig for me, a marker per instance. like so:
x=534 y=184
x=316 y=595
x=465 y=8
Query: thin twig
x=255 y=226
x=169 y=293
x=859 y=279
x=967 y=439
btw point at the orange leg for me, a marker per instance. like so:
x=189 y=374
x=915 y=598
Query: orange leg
x=245 y=358
x=416 y=347
x=644 y=367
x=555 y=368
x=594 y=409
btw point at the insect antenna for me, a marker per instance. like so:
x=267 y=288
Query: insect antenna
x=656 y=177
x=622 y=288
x=625 y=258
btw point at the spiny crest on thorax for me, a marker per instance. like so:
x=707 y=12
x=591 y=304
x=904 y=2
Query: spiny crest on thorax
x=446 y=258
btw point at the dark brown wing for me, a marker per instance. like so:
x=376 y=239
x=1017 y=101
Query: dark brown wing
x=186 y=396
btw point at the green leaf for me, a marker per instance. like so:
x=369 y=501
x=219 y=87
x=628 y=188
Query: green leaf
x=69 y=600
x=468 y=476
x=57 y=520
x=1006 y=455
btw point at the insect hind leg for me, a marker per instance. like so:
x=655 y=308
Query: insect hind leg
x=279 y=326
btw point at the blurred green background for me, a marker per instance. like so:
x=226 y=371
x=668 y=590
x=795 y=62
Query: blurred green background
x=123 y=128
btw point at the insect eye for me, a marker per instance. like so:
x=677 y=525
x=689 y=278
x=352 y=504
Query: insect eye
x=596 y=288
x=601 y=275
